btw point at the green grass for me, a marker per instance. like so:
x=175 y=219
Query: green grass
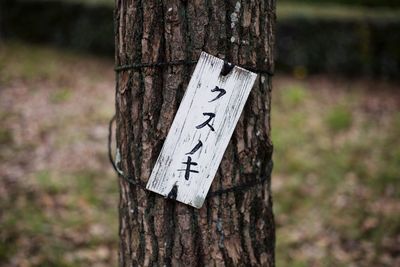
x=37 y=63
x=48 y=182
x=5 y=136
x=61 y=95
x=339 y=119
x=293 y=95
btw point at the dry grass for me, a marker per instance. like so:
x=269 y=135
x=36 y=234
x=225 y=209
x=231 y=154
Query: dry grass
x=336 y=180
x=58 y=195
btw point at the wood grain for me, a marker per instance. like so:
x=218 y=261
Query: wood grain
x=199 y=102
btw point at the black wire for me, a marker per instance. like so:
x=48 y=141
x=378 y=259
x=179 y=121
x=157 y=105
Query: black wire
x=133 y=181
x=219 y=192
x=151 y=65
x=110 y=134
x=110 y=157
x=179 y=62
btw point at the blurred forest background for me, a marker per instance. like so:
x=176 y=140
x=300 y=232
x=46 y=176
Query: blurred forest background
x=335 y=128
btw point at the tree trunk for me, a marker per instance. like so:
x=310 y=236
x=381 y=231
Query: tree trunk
x=234 y=229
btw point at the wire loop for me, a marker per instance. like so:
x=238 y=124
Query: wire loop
x=135 y=182
x=139 y=184
x=135 y=66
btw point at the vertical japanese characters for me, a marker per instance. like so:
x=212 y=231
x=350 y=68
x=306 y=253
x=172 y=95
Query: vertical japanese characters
x=210 y=116
x=201 y=130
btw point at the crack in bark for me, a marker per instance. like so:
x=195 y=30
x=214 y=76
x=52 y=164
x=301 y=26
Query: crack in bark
x=224 y=231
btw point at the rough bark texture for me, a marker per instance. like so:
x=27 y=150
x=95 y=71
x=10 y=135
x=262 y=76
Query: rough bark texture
x=236 y=229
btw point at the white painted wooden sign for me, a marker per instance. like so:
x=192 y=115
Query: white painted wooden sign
x=201 y=130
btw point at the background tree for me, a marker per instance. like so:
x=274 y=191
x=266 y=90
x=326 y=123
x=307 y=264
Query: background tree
x=235 y=229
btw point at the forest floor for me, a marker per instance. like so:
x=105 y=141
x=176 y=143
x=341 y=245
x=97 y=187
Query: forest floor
x=336 y=178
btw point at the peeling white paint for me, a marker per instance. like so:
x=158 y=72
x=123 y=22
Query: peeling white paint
x=262 y=79
x=237 y=7
x=234 y=18
x=117 y=161
x=232 y=39
x=170 y=175
x=235 y=15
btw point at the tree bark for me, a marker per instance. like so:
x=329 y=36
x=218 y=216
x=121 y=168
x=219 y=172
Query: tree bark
x=235 y=229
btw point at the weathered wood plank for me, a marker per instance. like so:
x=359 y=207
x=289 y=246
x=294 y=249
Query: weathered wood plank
x=201 y=131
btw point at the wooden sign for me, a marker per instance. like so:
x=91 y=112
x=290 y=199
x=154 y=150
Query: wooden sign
x=201 y=130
